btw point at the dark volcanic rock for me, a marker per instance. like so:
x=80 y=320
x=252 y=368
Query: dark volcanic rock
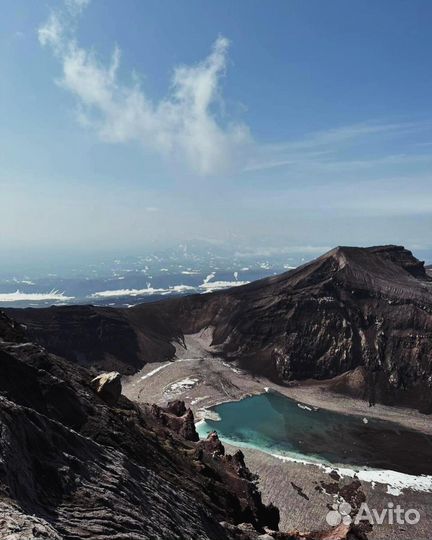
x=176 y=407
x=103 y=338
x=9 y=329
x=73 y=467
x=177 y=418
x=363 y=312
x=212 y=445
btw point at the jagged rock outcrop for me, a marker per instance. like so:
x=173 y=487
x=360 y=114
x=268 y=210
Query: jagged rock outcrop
x=73 y=467
x=368 y=308
x=108 y=386
x=177 y=418
x=211 y=446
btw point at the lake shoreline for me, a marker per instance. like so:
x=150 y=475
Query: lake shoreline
x=302 y=492
x=278 y=425
x=217 y=381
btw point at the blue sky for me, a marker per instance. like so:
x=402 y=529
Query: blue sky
x=265 y=124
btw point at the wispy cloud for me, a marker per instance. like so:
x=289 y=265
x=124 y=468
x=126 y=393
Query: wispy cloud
x=346 y=134
x=184 y=126
x=325 y=149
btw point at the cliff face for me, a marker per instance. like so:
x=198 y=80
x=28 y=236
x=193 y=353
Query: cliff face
x=99 y=337
x=362 y=312
x=369 y=309
x=72 y=466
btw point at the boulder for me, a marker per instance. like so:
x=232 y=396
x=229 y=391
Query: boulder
x=108 y=386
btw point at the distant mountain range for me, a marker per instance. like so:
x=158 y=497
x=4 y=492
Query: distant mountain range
x=360 y=317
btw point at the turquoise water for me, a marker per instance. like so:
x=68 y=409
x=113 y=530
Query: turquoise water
x=274 y=423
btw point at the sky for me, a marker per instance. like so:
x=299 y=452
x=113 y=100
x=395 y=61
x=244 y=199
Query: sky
x=273 y=125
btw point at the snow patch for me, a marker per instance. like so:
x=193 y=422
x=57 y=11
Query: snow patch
x=235 y=370
x=180 y=386
x=184 y=383
x=391 y=490
x=396 y=481
x=151 y=373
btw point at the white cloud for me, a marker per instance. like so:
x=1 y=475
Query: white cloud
x=51 y=32
x=184 y=126
x=204 y=287
x=19 y=296
x=77 y=5
x=148 y=291
x=219 y=285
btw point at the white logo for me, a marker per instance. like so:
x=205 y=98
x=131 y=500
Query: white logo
x=340 y=513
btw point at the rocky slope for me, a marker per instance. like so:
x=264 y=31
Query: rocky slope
x=360 y=316
x=78 y=460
